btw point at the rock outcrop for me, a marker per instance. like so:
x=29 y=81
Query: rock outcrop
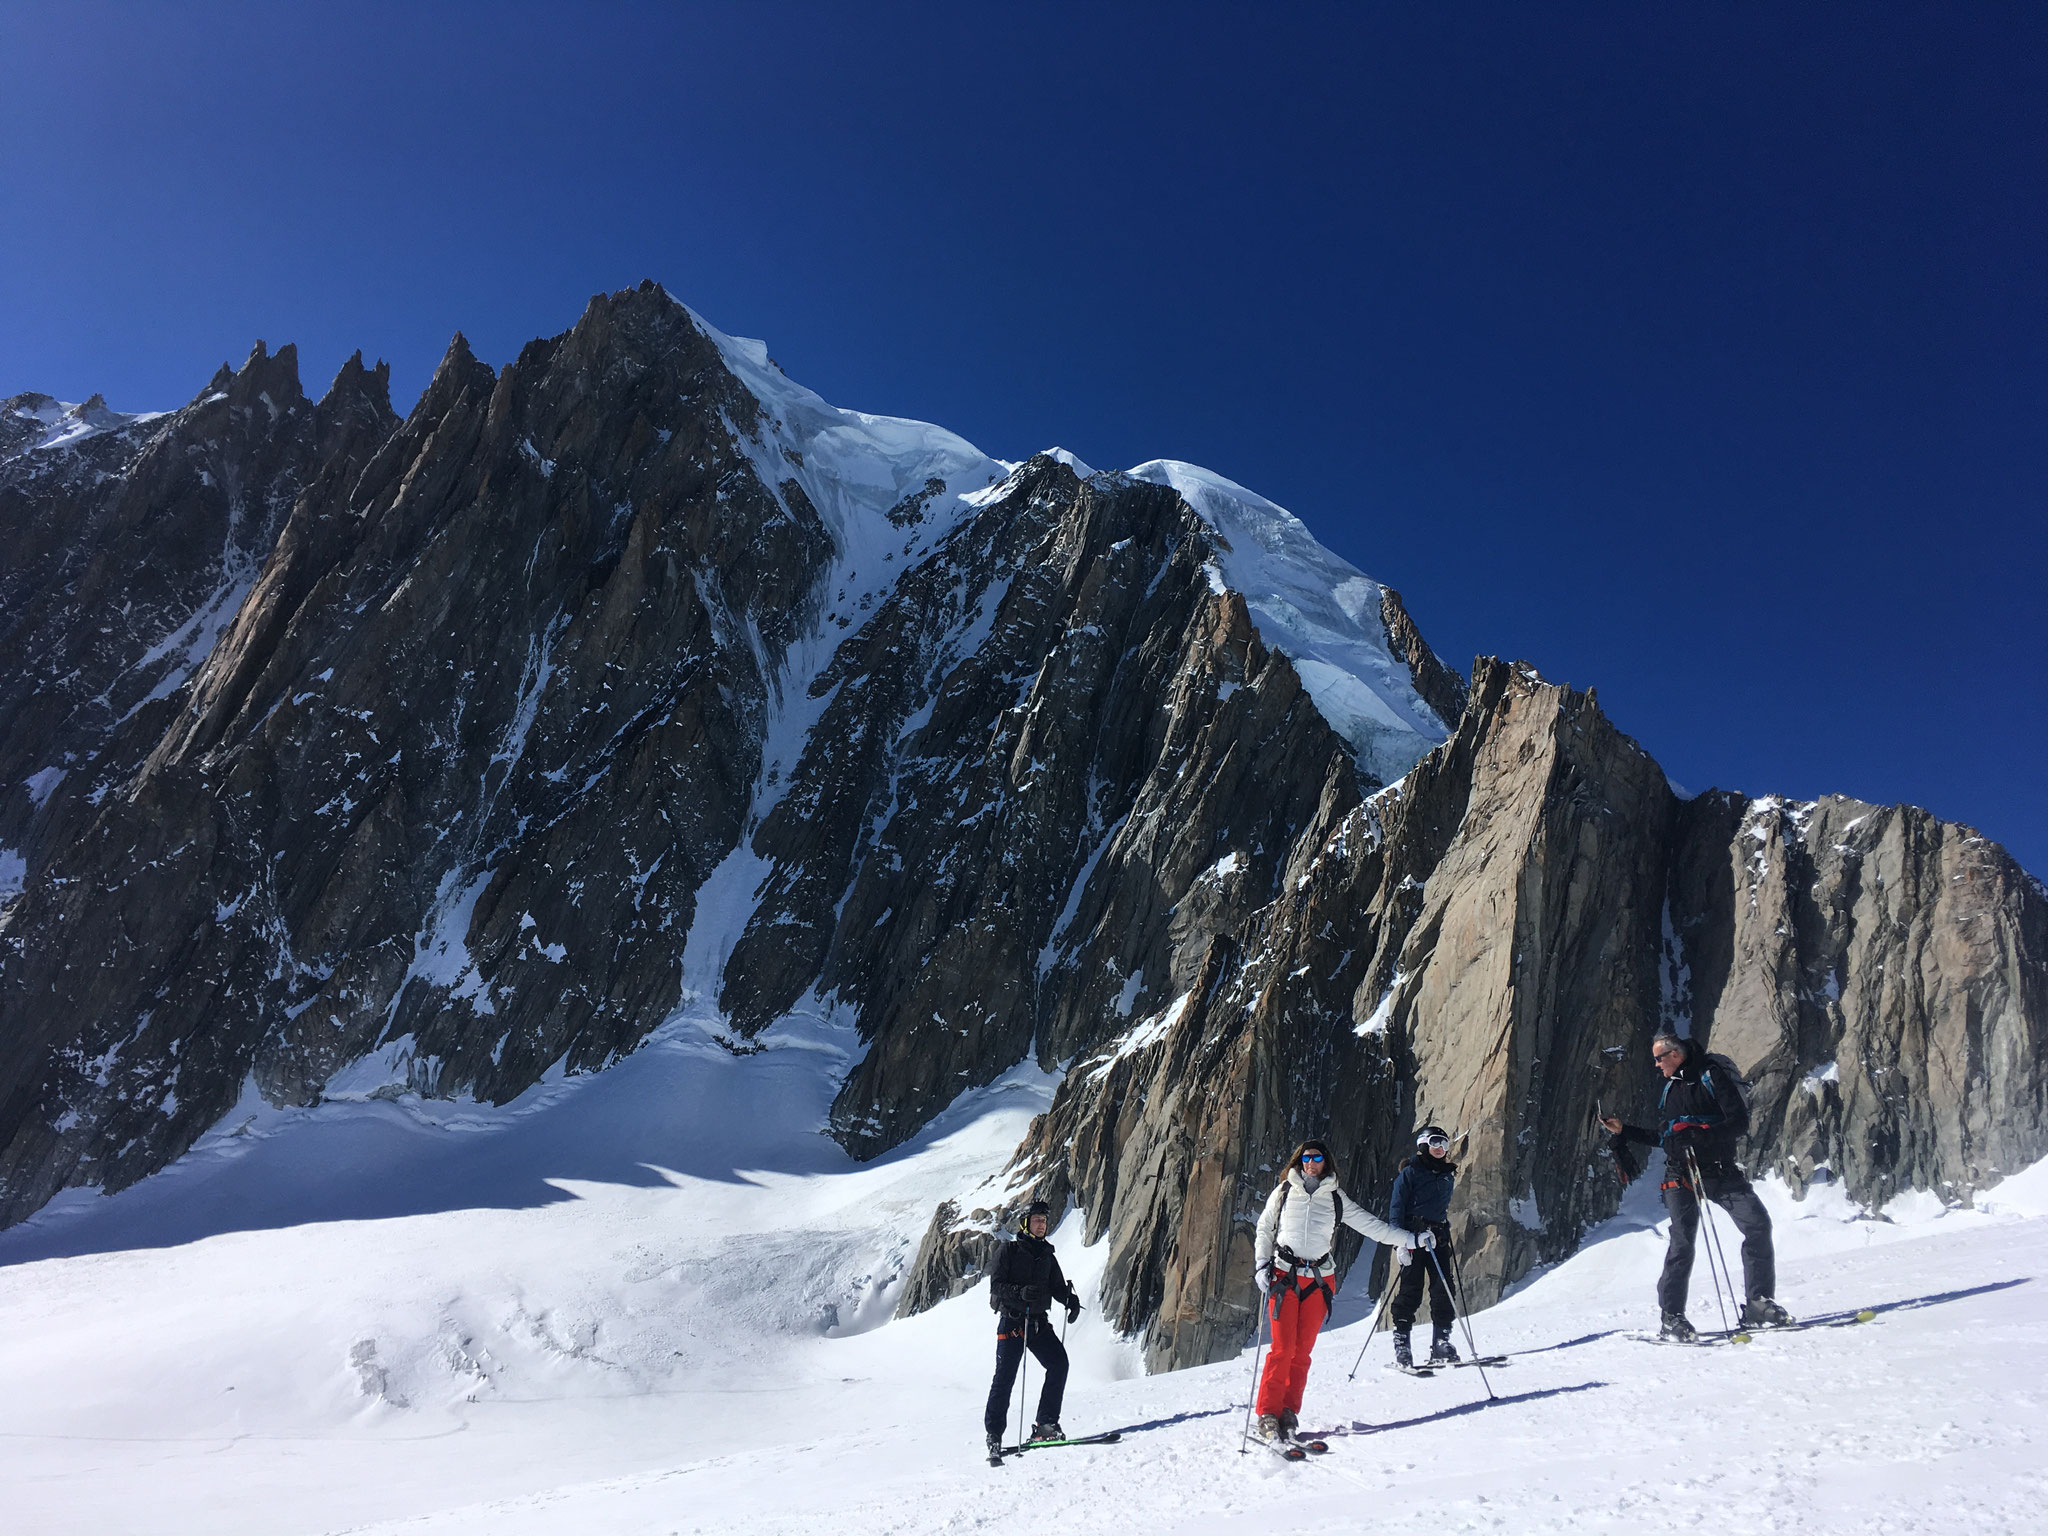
x=127 y=544
x=441 y=756
x=1491 y=944
x=450 y=780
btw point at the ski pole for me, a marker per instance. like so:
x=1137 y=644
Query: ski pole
x=1721 y=1251
x=1378 y=1316
x=1706 y=1219
x=1714 y=1237
x=1724 y=1278
x=1446 y=1284
x=1252 y=1396
x=1458 y=1296
x=1023 y=1378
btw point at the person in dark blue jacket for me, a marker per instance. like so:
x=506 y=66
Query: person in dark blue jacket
x=1702 y=1117
x=1422 y=1203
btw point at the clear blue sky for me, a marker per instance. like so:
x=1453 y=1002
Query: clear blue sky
x=1697 y=352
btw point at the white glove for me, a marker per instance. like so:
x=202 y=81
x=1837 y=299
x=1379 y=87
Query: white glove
x=1262 y=1277
x=1425 y=1239
x=1403 y=1254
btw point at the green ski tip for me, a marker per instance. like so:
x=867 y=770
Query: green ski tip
x=1866 y=1316
x=1738 y=1338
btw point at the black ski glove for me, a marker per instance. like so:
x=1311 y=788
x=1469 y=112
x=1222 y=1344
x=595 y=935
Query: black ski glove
x=1680 y=1147
x=1073 y=1306
x=1626 y=1165
x=1035 y=1298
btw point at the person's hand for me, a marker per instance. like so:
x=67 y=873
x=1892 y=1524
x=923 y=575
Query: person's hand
x=1403 y=1254
x=1262 y=1277
x=1073 y=1308
x=1035 y=1298
x=1613 y=1124
x=1425 y=1240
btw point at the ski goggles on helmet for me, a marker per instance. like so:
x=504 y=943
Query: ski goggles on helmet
x=1436 y=1141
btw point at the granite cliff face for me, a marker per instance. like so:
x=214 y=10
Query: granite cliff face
x=1491 y=944
x=127 y=543
x=441 y=756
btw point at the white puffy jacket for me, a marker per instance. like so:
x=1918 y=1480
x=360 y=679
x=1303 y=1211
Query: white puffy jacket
x=1304 y=1221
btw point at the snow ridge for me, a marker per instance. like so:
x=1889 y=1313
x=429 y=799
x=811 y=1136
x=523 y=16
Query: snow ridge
x=1319 y=611
x=889 y=489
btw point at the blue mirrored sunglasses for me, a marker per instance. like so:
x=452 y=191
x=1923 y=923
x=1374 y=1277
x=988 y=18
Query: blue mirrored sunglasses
x=1311 y=1157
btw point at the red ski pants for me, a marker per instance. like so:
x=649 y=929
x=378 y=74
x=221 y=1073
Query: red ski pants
x=1296 y=1309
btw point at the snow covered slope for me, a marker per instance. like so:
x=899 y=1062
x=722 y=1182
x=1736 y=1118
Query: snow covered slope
x=651 y=1301
x=1319 y=611
x=39 y=424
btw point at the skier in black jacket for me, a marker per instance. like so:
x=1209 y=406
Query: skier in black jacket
x=1023 y=1282
x=1421 y=1202
x=1703 y=1117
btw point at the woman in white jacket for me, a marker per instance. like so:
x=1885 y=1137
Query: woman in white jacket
x=1295 y=1267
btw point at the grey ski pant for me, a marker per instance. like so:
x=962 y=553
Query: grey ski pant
x=1732 y=1192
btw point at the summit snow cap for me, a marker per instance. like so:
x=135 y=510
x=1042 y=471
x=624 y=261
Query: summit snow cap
x=1321 y=612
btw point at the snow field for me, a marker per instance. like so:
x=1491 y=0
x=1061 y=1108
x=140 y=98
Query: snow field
x=604 y=1308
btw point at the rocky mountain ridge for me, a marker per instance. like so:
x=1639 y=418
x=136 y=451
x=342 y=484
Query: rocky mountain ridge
x=442 y=752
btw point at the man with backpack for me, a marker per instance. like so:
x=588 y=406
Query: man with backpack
x=1704 y=1112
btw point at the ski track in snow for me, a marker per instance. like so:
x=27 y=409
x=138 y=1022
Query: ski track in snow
x=654 y=1300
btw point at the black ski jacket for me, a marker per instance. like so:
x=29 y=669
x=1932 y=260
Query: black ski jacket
x=1025 y=1277
x=1701 y=1110
x=1422 y=1192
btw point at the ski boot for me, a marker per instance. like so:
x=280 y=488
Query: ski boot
x=1765 y=1313
x=1441 y=1350
x=1268 y=1427
x=1677 y=1329
x=1289 y=1423
x=1404 y=1353
x=995 y=1447
x=1049 y=1430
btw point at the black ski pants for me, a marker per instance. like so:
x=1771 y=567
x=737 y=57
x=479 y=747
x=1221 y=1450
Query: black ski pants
x=1408 y=1285
x=1732 y=1192
x=1046 y=1348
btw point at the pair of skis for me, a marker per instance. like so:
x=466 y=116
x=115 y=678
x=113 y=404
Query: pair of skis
x=996 y=1459
x=1710 y=1336
x=1426 y=1371
x=1293 y=1447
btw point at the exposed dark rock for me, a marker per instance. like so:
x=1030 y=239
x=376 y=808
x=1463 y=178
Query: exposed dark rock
x=1879 y=974
x=127 y=544
x=952 y=1258
x=1491 y=944
x=490 y=716
x=419 y=743
x=1442 y=689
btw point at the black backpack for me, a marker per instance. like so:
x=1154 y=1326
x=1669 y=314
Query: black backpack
x=1732 y=1074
